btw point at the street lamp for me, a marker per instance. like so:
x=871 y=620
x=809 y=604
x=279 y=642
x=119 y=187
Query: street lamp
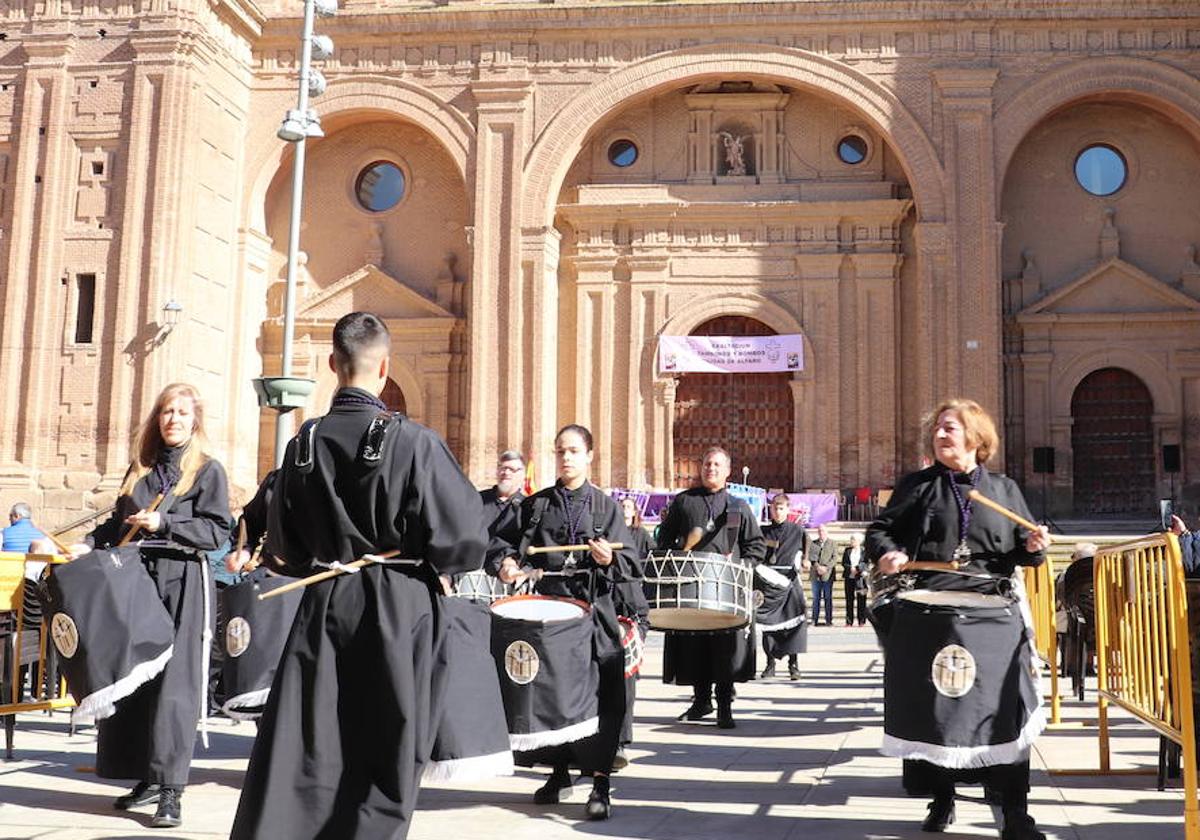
x=285 y=392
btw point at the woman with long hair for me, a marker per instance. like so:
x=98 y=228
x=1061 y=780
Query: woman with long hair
x=175 y=503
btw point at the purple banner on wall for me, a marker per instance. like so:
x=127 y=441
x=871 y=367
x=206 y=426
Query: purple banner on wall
x=812 y=509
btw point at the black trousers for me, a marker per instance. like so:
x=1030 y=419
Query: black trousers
x=1009 y=781
x=855 y=597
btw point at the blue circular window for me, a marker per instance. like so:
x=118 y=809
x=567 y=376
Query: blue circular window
x=380 y=186
x=1100 y=169
x=623 y=153
x=852 y=149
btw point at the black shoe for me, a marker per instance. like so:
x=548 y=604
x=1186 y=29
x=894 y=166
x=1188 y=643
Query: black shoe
x=697 y=711
x=620 y=760
x=599 y=804
x=168 y=813
x=725 y=717
x=558 y=788
x=1020 y=827
x=941 y=814
x=143 y=793
x=769 y=671
x=793 y=671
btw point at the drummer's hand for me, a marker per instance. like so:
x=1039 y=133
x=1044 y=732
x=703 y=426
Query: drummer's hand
x=602 y=551
x=1038 y=540
x=447 y=586
x=147 y=520
x=892 y=562
x=510 y=572
x=236 y=560
x=1177 y=526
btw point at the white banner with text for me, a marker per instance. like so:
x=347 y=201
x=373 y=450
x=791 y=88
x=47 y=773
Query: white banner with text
x=730 y=353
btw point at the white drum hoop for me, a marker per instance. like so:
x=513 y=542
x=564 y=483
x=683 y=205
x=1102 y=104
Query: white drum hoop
x=698 y=591
x=539 y=609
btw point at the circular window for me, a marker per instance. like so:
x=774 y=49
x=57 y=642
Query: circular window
x=380 y=186
x=622 y=153
x=1101 y=169
x=852 y=149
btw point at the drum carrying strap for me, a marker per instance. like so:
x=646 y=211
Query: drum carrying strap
x=539 y=510
x=305 y=444
x=733 y=525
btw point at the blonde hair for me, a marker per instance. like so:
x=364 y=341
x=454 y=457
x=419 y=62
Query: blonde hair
x=196 y=451
x=979 y=429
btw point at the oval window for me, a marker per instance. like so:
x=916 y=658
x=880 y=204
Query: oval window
x=380 y=186
x=1100 y=169
x=852 y=149
x=622 y=153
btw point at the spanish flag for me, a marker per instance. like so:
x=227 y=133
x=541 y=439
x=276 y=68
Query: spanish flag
x=530 y=487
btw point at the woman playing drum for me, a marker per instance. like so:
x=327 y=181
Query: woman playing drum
x=176 y=499
x=961 y=702
x=575 y=512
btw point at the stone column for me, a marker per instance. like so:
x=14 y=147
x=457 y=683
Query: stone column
x=498 y=377
x=875 y=373
x=28 y=319
x=819 y=305
x=662 y=446
x=539 y=270
x=644 y=307
x=925 y=354
x=967 y=312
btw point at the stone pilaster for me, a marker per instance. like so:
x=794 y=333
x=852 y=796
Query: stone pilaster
x=539 y=273
x=662 y=453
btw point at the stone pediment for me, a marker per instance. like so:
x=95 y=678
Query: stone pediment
x=1114 y=287
x=370 y=289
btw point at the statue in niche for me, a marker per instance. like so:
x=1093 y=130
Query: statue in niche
x=735 y=153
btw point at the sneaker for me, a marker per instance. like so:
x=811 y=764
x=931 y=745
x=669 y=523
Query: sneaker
x=168 y=814
x=143 y=793
x=599 y=804
x=697 y=711
x=558 y=788
x=793 y=671
x=725 y=717
x=769 y=671
x=941 y=814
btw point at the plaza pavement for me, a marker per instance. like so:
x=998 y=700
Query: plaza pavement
x=802 y=764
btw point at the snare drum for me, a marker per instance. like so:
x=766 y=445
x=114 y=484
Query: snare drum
x=255 y=634
x=480 y=587
x=542 y=648
x=696 y=590
x=109 y=625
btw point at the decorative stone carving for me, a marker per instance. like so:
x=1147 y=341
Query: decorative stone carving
x=1110 y=237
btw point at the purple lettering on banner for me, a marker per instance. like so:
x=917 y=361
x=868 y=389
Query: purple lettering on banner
x=730 y=354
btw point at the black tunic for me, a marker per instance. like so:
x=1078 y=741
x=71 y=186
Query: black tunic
x=498 y=515
x=783 y=614
x=923 y=519
x=152 y=734
x=355 y=705
x=544 y=519
x=698 y=658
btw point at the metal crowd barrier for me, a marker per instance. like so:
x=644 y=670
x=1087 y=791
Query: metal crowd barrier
x=1143 y=658
x=25 y=646
x=1039 y=589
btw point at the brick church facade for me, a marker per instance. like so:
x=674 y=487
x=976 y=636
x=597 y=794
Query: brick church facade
x=990 y=199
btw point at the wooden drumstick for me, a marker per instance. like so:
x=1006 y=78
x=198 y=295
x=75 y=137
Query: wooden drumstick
x=327 y=574
x=241 y=542
x=546 y=549
x=256 y=556
x=975 y=495
x=62 y=549
x=133 y=529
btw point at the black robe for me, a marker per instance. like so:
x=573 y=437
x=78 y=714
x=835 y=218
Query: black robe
x=784 y=609
x=152 y=735
x=922 y=519
x=498 y=516
x=352 y=715
x=720 y=656
x=543 y=520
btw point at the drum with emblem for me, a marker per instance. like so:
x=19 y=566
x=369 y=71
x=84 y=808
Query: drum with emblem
x=254 y=636
x=542 y=649
x=109 y=626
x=964 y=664
x=698 y=590
x=472 y=734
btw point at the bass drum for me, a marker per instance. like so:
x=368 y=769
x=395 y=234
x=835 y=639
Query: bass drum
x=697 y=590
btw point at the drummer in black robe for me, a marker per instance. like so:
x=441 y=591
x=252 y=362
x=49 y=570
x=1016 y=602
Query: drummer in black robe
x=576 y=512
x=931 y=518
x=630 y=598
x=782 y=614
x=350 y=722
x=176 y=498
x=502 y=501
x=708 y=519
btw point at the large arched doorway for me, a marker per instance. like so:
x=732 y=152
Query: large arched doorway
x=1112 y=444
x=749 y=414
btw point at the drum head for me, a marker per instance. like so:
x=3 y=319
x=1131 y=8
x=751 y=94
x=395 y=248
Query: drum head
x=692 y=618
x=539 y=608
x=953 y=598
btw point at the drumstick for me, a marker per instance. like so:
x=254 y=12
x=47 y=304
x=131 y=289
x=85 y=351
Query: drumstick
x=327 y=574
x=133 y=529
x=241 y=542
x=256 y=556
x=546 y=549
x=59 y=545
x=975 y=495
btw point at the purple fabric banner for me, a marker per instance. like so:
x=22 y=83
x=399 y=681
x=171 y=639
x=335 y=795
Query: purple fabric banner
x=812 y=509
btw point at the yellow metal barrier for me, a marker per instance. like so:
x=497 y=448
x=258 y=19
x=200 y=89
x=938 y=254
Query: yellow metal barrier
x=20 y=645
x=1039 y=589
x=1143 y=660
